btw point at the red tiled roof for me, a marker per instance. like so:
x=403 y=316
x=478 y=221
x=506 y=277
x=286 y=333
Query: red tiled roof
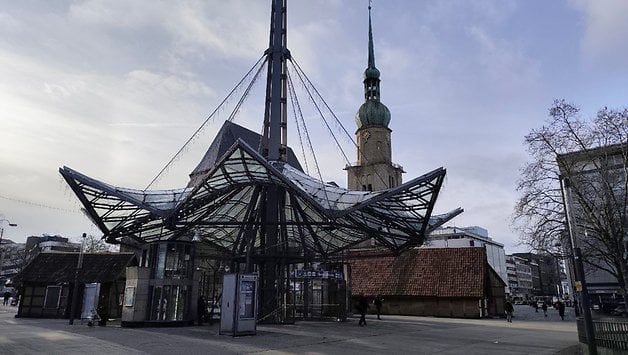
x=429 y=272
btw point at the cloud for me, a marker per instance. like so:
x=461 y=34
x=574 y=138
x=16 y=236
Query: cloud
x=606 y=29
x=8 y=23
x=506 y=66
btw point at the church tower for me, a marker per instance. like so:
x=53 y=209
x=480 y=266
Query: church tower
x=374 y=169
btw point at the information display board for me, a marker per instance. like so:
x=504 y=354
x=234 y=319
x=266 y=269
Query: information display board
x=238 y=308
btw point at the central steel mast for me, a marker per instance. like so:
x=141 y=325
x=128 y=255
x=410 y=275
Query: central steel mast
x=274 y=140
x=273 y=237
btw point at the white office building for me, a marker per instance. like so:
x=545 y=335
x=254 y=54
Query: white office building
x=459 y=237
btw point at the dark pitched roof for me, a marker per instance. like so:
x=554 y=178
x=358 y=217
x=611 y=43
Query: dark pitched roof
x=228 y=134
x=428 y=272
x=61 y=267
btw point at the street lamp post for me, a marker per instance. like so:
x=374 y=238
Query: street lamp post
x=578 y=267
x=1 y=235
x=75 y=290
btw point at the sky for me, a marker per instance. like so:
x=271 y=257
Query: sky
x=113 y=89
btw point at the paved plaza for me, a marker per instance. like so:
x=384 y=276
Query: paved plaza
x=530 y=333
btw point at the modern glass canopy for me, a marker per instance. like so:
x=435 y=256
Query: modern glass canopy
x=256 y=207
x=257 y=203
x=226 y=206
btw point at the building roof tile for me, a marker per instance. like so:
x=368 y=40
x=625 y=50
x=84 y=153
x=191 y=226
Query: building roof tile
x=430 y=272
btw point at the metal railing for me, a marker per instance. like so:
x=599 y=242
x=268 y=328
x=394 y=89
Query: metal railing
x=610 y=333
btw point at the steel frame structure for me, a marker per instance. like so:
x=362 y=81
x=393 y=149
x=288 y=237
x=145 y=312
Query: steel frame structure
x=254 y=208
x=226 y=205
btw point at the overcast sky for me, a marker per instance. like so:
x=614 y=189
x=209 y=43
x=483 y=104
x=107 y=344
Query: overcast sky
x=114 y=88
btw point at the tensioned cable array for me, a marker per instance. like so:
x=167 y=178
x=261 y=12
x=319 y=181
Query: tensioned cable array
x=314 y=94
x=202 y=126
x=319 y=103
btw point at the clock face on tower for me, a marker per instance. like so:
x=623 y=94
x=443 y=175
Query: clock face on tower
x=365 y=135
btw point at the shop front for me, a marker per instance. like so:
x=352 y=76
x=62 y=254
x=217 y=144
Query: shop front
x=319 y=294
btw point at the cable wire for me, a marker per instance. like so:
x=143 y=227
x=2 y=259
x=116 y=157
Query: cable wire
x=178 y=153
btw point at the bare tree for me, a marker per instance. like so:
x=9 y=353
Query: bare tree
x=23 y=257
x=593 y=155
x=97 y=245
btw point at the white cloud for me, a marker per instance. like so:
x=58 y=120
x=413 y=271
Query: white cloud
x=505 y=65
x=9 y=23
x=606 y=30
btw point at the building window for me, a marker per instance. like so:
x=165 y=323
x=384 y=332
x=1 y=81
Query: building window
x=53 y=295
x=370 y=187
x=171 y=260
x=471 y=243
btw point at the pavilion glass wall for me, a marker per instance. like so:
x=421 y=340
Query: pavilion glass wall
x=172 y=277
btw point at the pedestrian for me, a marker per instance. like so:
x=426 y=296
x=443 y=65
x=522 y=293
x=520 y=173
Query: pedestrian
x=544 y=308
x=7 y=295
x=509 y=309
x=363 y=305
x=201 y=309
x=378 y=304
x=536 y=306
x=561 y=309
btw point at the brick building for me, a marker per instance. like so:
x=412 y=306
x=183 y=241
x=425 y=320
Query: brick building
x=447 y=282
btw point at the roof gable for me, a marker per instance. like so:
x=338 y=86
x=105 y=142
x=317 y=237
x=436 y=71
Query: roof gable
x=61 y=267
x=226 y=137
x=429 y=272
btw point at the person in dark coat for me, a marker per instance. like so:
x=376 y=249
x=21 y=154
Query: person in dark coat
x=7 y=296
x=508 y=308
x=378 y=301
x=536 y=306
x=363 y=305
x=544 y=308
x=201 y=309
x=561 y=309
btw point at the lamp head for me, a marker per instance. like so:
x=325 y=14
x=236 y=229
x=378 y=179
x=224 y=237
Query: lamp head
x=197 y=235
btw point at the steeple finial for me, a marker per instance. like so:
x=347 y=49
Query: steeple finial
x=371 y=74
x=372 y=113
x=371 y=50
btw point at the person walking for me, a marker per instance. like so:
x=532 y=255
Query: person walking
x=378 y=304
x=201 y=309
x=544 y=308
x=363 y=305
x=561 y=309
x=7 y=296
x=536 y=306
x=509 y=309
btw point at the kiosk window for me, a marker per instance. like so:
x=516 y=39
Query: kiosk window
x=247 y=299
x=53 y=293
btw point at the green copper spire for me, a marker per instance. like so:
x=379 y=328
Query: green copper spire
x=372 y=113
x=371 y=71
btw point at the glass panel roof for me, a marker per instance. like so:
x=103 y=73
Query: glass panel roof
x=227 y=204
